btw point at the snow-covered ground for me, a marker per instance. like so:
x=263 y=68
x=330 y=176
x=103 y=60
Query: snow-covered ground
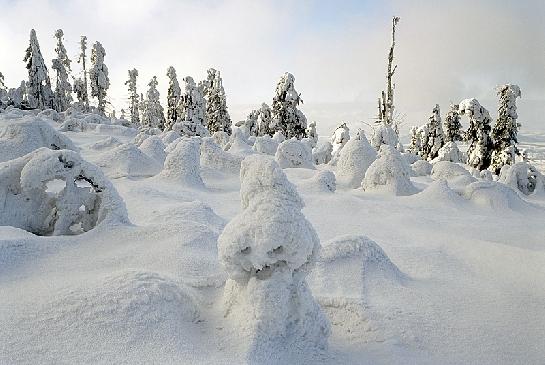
x=438 y=277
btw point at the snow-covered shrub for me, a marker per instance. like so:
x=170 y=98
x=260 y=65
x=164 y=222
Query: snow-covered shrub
x=74 y=125
x=449 y=152
x=523 y=177
x=486 y=175
x=267 y=250
x=182 y=165
x=340 y=137
x=410 y=157
x=51 y=114
x=279 y=137
x=106 y=143
x=293 y=153
x=384 y=134
x=421 y=168
x=322 y=181
x=265 y=145
x=127 y=160
x=154 y=148
x=495 y=196
x=237 y=144
x=115 y=130
x=354 y=160
x=21 y=136
x=389 y=173
x=456 y=175
x=169 y=137
x=312 y=134
x=321 y=154
x=213 y=156
x=87 y=198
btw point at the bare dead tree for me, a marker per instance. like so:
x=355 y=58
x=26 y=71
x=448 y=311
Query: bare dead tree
x=386 y=101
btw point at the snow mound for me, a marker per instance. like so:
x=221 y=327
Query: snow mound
x=293 y=153
x=265 y=145
x=421 y=168
x=410 y=157
x=237 y=144
x=221 y=138
x=389 y=173
x=456 y=175
x=523 y=177
x=85 y=198
x=322 y=153
x=105 y=144
x=495 y=196
x=449 y=152
x=169 y=137
x=74 y=125
x=214 y=157
x=20 y=137
x=384 y=134
x=127 y=160
x=155 y=148
x=321 y=182
x=354 y=159
x=182 y=164
x=50 y=114
x=438 y=193
x=115 y=130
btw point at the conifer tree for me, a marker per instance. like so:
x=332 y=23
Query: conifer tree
x=286 y=116
x=506 y=128
x=153 y=111
x=479 y=153
x=38 y=86
x=264 y=121
x=173 y=97
x=61 y=64
x=80 y=84
x=98 y=76
x=216 y=103
x=436 y=138
x=192 y=109
x=452 y=125
x=134 y=98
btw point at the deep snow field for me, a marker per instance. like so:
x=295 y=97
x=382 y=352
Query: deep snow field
x=457 y=278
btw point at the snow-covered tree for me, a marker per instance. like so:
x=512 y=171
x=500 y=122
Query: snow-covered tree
x=173 y=97
x=452 y=125
x=153 y=111
x=435 y=138
x=506 y=128
x=2 y=85
x=98 y=76
x=383 y=133
x=479 y=153
x=80 y=84
x=386 y=101
x=312 y=135
x=414 y=146
x=264 y=121
x=3 y=92
x=340 y=136
x=134 y=98
x=286 y=116
x=61 y=64
x=39 y=86
x=216 y=103
x=192 y=109
x=249 y=125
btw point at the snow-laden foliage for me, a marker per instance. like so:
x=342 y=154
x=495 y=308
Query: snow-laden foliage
x=449 y=152
x=86 y=199
x=214 y=157
x=173 y=97
x=384 y=134
x=16 y=97
x=80 y=84
x=354 y=160
x=216 y=103
x=238 y=143
x=506 y=128
x=421 y=168
x=182 y=164
x=191 y=111
x=285 y=114
x=523 y=177
x=322 y=153
x=264 y=123
x=312 y=135
x=267 y=250
x=134 y=99
x=221 y=138
x=389 y=173
x=479 y=153
x=340 y=136
x=98 y=76
x=294 y=153
x=435 y=139
x=452 y=125
x=153 y=116
x=265 y=145
x=414 y=146
x=39 y=92
x=61 y=64
x=248 y=126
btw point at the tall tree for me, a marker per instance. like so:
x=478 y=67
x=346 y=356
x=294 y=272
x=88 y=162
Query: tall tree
x=216 y=103
x=286 y=116
x=436 y=138
x=192 y=109
x=38 y=86
x=506 y=129
x=80 y=84
x=173 y=97
x=98 y=76
x=386 y=101
x=452 y=125
x=153 y=111
x=61 y=64
x=134 y=98
x=479 y=153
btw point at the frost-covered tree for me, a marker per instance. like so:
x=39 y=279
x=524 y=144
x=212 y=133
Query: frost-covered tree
x=340 y=136
x=153 y=111
x=98 y=76
x=80 y=84
x=264 y=121
x=2 y=84
x=312 y=134
x=216 y=103
x=506 y=128
x=452 y=125
x=61 y=64
x=414 y=146
x=286 y=116
x=3 y=92
x=192 y=109
x=134 y=98
x=435 y=138
x=479 y=153
x=173 y=97
x=39 y=86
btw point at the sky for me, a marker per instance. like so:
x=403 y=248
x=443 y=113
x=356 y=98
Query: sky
x=446 y=50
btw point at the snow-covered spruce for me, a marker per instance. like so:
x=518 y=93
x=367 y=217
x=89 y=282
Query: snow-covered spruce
x=182 y=164
x=173 y=97
x=238 y=143
x=249 y=125
x=479 y=153
x=340 y=137
x=322 y=153
x=153 y=116
x=389 y=173
x=38 y=87
x=354 y=160
x=294 y=153
x=267 y=250
x=449 y=152
x=285 y=114
x=86 y=199
x=414 y=146
x=452 y=125
x=265 y=145
x=506 y=128
x=61 y=64
x=191 y=111
x=264 y=121
x=80 y=84
x=312 y=134
x=435 y=135
x=216 y=103
x=384 y=134
x=523 y=177
x=134 y=99
x=98 y=76
x=214 y=157
x=154 y=147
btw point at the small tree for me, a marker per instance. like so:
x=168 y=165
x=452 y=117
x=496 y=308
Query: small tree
x=506 y=128
x=452 y=125
x=173 y=97
x=61 y=64
x=80 y=84
x=98 y=75
x=39 y=86
x=192 y=109
x=134 y=99
x=414 y=147
x=286 y=116
x=480 y=148
x=436 y=138
x=264 y=121
x=216 y=103
x=153 y=111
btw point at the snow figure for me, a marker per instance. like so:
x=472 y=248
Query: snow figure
x=38 y=87
x=61 y=64
x=80 y=84
x=173 y=97
x=354 y=160
x=389 y=173
x=321 y=154
x=216 y=103
x=267 y=251
x=134 y=100
x=98 y=76
x=449 y=152
x=265 y=145
x=505 y=131
x=264 y=121
x=523 y=177
x=435 y=135
x=192 y=110
x=293 y=153
x=452 y=125
x=86 y=200
x=312 y=134
x=384 y=134
x=182 y=164
x=479 y=152
x=339 y=139
x=153 y=111
x=286 y=117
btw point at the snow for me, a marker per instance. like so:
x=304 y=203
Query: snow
x=294 y=153
x=354 y=159
x=182 y=164
x=127 y=160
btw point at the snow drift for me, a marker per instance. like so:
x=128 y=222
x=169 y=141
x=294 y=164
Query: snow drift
x=182 y=164
x=127 y=160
